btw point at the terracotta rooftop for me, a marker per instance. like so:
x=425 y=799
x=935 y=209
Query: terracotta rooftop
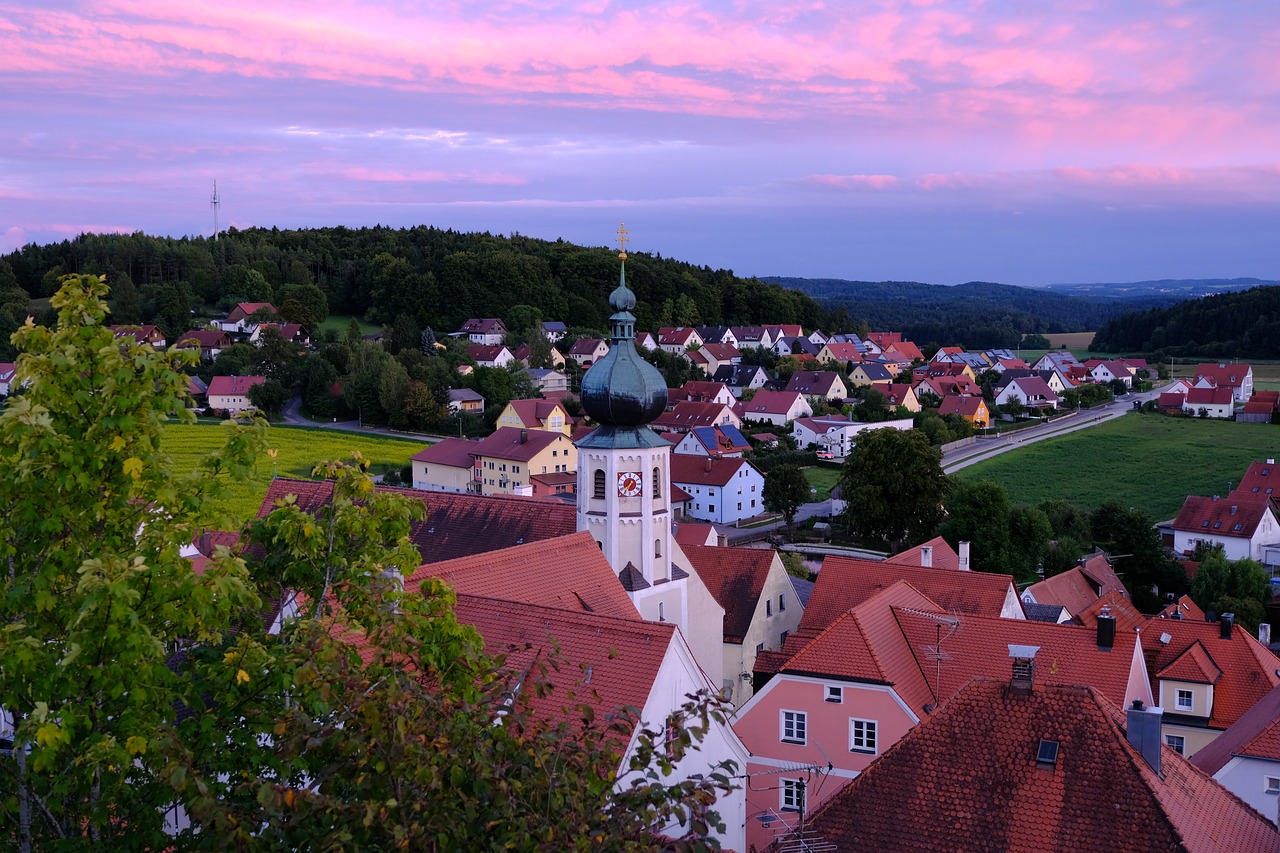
x=518 y=445
x=952 y=785
x=457 y=525
x=1255 y=734
x=1220 y=396
x=769 y=402
x=1194 y=665
x=735 y=578
x=1260 y=479
x=1223 y=375
x=690 y=533
x=1183 y=608
x=452 y=452
x=1118 y=607
x=844 y=583
x=1238 y=514
x=942 y=555
x=603 y=661
x=566 y=573
x=687 y=414
x=233 y=386
x=1079 y=586
x=705 y=470
x=1248 y=667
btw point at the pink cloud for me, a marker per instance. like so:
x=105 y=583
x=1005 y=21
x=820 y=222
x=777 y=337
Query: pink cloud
x=360 y=173
x=875 y=182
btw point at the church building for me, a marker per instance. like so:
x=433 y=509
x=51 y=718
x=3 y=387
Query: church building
x=624 y=489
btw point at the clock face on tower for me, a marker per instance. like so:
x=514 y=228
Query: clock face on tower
x=629 y=484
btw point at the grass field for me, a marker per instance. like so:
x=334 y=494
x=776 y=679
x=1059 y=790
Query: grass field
x=1149 y=462
x=339 y=322
x=1071 y=340
x=823 y=478
x=298 y=451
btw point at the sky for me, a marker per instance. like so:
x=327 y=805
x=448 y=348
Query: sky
x=1026 y=143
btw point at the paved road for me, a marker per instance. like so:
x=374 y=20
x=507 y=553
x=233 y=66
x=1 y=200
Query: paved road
x=293 y=415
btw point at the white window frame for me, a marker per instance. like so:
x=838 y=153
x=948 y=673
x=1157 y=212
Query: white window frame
x=793 y=727
x=1271 y=784
x=864 y=736
x=1177 y=743
x=1190 y=697
x=790 y=795
x=834 y=694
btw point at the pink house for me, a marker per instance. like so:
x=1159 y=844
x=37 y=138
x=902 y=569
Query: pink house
x=878 y=670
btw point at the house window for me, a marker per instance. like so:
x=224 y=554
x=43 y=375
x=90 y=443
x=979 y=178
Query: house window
x=657 y=547
x=1177 y=743
x=768 y=607
x=862 y=736
x=597 y=490
x=1272 y=785
x=759 y=648
x=782 y=641
x=711 y=507
x=794 y=727
x=739 y=506
x=791 y=795
x=1185 y=702
x=782 y=601
x=834 y=694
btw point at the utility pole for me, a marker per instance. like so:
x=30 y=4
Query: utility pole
x=214 y=201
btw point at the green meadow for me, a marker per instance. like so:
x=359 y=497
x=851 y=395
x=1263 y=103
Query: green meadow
x=298 y=450
x=1146 y=461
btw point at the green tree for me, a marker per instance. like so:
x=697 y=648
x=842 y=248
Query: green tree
x=1239 y=587
x=894 y=485
x=270 y=397
x=95 y=597
x=978 y=512
x=785 y=491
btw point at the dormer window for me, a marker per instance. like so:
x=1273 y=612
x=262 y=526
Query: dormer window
x=1047 y=754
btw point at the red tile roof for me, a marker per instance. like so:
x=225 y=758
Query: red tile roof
x=518 y=445
x=1223 y=375
x=1194 y=665
x=689 y=533
x=244 y=310
x=844 y=583
x=1080 y=586
x=705 y=470
x=769 y=402
x=456 y=525
x=1255 y=734
x=943 y=557
x=735 y=578
x=603 y=661
x=566 y=573
x=536 y=411
x=1248 y=667
x=483 y=352
x=1238 y=515
x=721 y=352
x=233 y=386
x=1184 y=608
x=452 y=452
x=1220 y=396
x=952 y=785
x=813 y=383
x=970 y=407
x=697 y=391
x=1261 y=479
x=1118 y=606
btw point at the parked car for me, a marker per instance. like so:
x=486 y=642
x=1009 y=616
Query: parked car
x=826 y=454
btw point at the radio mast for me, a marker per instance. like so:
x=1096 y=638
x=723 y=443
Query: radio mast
x=213 y=201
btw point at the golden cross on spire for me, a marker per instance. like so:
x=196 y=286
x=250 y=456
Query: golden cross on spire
x=622 y=241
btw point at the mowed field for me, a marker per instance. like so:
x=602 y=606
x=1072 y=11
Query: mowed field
x=1149 y=462
x=1071 y=340
x=297 y=452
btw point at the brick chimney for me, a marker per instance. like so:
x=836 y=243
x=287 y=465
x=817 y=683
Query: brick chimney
x=1142 y=728
x=1024 y=667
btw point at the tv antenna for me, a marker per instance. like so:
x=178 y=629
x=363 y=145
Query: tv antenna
x=214 y=201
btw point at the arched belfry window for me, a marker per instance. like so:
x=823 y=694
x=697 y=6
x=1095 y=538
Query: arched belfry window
x=657 y=482
x=597 y=490
x=657 y=547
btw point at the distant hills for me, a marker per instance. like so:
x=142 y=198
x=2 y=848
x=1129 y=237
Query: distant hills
x=1172 y=290
x=1244 y=324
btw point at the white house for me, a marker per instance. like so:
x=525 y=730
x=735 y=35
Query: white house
x=491 y=356
x=1242 y=524
x=231 y=393
x=7 y=370
x=837 y=433
x=775 y=407
x=489 y=331
x=1029 y=391
x=238 y=320
x=1214 y=402
x=724 y=490
x=1245 y=759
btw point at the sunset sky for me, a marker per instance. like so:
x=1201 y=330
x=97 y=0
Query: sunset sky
x=1026 y=143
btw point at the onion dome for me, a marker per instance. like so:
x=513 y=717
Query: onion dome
x=622 y=389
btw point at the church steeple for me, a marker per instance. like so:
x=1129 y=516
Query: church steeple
x=622 y=389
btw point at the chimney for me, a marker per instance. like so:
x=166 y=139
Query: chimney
x=964 y=556
x=1264 y=633
x=926 y=556
x=524 y=436
x=1024 y=667
x=707 y=465
x=1142 y=727
x=1271 y=461
x=1227 y=622
x=1106 y=629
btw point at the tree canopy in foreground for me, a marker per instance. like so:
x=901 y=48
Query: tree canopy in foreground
x=151 y=708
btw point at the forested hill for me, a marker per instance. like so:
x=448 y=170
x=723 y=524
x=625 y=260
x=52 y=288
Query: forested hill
x=1227 y=325
x=430 y=276
x=977 y=314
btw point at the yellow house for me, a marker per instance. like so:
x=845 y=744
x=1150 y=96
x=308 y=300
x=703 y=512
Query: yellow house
x=538 y=414
x=870 y=374
x=505 y=461
x=972 y=409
